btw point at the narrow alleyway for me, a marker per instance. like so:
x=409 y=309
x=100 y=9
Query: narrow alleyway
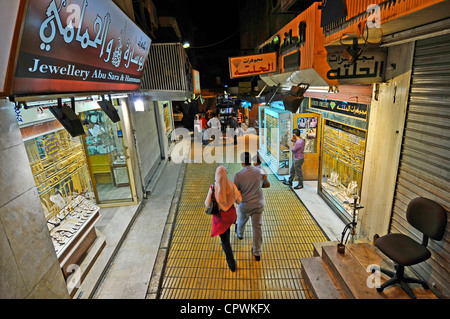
x=196 y=267
x=168 y=252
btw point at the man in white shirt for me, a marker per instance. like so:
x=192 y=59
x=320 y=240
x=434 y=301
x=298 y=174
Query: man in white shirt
x=214 y=127
x=214 y=122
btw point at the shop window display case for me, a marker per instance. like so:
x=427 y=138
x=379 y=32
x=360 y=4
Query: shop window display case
x=262 y=128
x=169 y=126
x=59 y=167
x=342 y=164
x=278 y=130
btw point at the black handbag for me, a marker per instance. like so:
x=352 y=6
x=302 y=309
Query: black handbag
x=213 y=207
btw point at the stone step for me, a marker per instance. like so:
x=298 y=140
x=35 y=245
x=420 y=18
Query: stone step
x=317 y=251
x=370 y=256
x=352 y=272
x=349 y=273
x=319 y=280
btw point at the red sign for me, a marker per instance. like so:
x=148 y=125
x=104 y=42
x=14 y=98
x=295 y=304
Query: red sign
x=79 y=46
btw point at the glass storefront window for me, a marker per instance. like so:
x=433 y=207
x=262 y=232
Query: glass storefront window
x=63 y=183
x=342 y=163
x=278 y=134
x=107 y=156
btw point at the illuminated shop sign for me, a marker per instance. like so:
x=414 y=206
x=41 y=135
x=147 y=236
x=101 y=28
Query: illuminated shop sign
x=299 y=44
x=286 y=40
x=355 y=110
x=287 y=43
x=252 y=65
x=79 y=46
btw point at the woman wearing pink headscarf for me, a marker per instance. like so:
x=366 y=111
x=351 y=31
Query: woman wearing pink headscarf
x=226 y=194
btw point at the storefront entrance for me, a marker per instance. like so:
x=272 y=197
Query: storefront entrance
x=106 y=152
x=100 y=159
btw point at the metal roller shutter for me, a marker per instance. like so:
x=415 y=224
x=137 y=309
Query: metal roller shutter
x=425 y=158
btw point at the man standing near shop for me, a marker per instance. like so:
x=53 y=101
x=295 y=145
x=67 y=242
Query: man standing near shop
x=298 y=149
x=249 y=182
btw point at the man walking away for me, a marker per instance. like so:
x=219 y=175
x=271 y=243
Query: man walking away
x=249 y=182
x=296 y=168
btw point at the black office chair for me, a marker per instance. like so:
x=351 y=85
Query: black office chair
x=428 y=217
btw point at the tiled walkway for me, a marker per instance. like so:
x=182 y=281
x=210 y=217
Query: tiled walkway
x=196 y=266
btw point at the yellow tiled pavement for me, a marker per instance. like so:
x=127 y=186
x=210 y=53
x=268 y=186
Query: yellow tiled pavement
x=196 y=267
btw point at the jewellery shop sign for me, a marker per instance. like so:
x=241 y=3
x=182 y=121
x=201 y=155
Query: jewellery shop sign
x=79 y=46
x=355 y=110
x=368 y=67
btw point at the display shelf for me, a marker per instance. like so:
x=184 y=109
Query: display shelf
x=71 y=223
x=278 y=129
x=342 y=163
x=62 y=180
x=262 y=128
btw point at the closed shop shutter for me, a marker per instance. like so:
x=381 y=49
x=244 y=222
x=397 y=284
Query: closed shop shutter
x=425 y=156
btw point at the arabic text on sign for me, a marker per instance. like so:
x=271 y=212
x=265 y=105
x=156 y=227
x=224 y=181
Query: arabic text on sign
x=53 y=23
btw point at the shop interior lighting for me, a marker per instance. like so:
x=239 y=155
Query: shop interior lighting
x=119 y=96
x=32 y=103
x=139 y=105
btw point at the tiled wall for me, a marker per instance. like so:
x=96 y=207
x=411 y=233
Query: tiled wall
x=28 y=264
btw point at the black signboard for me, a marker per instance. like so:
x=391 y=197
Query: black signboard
x=355 y=110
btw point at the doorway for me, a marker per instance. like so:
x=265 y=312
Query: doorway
x=109 y=162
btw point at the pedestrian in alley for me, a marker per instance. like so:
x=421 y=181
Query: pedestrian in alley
x=257 y=164
x=240 y=117
x=298 y=148
x=215 y=127
x=214 y=122
x=249 y=182
x=204 y=127
x=234 y=126
x=226 y=194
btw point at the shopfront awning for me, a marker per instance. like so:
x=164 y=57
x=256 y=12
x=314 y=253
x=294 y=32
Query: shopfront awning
x=289 y=79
